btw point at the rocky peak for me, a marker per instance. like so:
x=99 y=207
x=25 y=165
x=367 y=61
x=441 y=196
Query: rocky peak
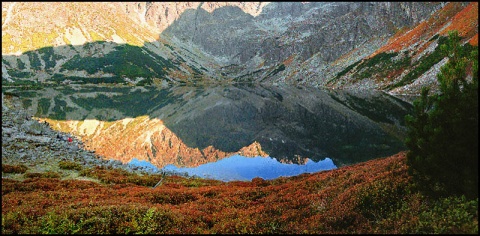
x=162 y=14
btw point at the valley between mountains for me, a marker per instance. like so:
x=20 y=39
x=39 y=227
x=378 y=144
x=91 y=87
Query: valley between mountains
x=87 y=87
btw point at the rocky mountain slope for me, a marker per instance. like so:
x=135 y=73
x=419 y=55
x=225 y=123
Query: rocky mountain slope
x=411 y=58
x=333 y=44
x=85 y=43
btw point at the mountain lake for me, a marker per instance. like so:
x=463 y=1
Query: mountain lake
x=300 y=129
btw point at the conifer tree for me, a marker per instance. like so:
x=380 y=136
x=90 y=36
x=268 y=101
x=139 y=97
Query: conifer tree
x=443 y=130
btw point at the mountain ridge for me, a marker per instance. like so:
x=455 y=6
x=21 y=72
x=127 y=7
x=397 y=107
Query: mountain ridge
x=276 y=43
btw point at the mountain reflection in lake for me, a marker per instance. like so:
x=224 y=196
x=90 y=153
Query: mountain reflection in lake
x=246 y=168
x=290 y=124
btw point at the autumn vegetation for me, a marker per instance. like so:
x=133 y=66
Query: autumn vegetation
x=376 y=196
x=14 y=168
x=451 y=17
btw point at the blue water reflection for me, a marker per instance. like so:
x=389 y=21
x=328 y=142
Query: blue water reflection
x=246 y=168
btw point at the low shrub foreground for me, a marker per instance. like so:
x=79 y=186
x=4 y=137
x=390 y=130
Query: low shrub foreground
x=18 y=169
x=371 y=197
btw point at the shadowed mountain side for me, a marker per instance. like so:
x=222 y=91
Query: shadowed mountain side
x=99 y=62
x=289 y=123
x=34 y=28
x=227 y=33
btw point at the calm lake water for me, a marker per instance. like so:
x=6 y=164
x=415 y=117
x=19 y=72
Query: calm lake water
x=238 y=167
x=294 y=125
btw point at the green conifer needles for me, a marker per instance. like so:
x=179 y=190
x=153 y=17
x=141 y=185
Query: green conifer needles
x=443 y=129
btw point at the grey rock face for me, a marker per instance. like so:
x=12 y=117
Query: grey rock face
x=33 y=127
x=287 y=28
x=217 y=33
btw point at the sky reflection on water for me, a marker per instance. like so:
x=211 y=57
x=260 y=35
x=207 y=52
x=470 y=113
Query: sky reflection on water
x=243 y=168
